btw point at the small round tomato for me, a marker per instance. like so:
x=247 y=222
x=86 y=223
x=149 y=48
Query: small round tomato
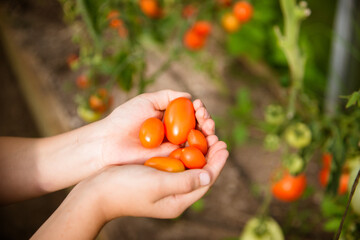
x=230 y=22
x=289 y=188
x=198 y=140
x=151 y=133
x=82 y=81
x=100 y=101
x=326 y=160
x=167 y=164
x=176 y=153
x=324 y=176
x=298 y=135
x=274 y=115
x=150 y=8
x=179 y=119
x=192 y=158
x=243 y=11
x=88 y=115
x=193 y=41
x=115 y=23
x=113 y=14
x=262 y=229
x=202 y=28
x=343 y=183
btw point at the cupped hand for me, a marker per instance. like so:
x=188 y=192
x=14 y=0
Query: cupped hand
x=120 y=142
x=136 y=190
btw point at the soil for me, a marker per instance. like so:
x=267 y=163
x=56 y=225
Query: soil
x=232 y=200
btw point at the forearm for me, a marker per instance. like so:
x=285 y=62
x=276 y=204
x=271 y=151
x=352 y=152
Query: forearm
x=78 y=217
x=33 y=167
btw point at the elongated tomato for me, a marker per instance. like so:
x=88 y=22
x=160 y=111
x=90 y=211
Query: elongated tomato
x=176 y=153
x=198 y=140
x=151 y=133
x=179 y=119
x=167 y=164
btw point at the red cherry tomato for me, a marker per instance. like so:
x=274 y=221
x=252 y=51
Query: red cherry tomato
x=151 y=133
x=165 y=164
x=82 y=82
x=192 y=158
x=150 y=8
x=202 y=28
x=324 y=176
x=179 y=119
x=100 y=101
x=116 y=23
x=176 y=153
x=243 y=11
x=193 y=41
x=189 y=11
x=198 y=140
x=343 y=183
x=326 y=159
x=289 y=188
x=113 y=14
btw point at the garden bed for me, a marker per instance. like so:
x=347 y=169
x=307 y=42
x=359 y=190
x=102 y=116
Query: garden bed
x=38 y=43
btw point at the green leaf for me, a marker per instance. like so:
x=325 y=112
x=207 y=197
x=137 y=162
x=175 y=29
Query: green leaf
x=355 y=97
x=198 y=206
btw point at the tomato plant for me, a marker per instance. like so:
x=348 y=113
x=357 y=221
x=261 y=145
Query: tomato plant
x=151 y=133
x=289 y=188
x=192 y=158
x=179 y=119
x=167 y=164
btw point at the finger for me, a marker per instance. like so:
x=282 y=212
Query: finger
x=161 y=151
x=208 y=128
x=216 y=147
x=160 y=100
x=182 y=182
x=211 y=140
x=216 y=163
x=198 y=104
x=201 y=116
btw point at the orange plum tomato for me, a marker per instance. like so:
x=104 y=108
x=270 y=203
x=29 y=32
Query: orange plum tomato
x=176 y=153
x=289 y=188
x=198 y=140
x=179 y=119
x=151 y=133
x=193 y=158
x=167 y=164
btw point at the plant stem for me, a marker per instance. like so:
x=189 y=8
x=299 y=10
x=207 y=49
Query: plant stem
x=289 y=43
x=356 y=182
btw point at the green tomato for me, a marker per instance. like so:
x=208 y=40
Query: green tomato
x=294 y=163
x=274 y=115
x=355 y=202
x=88 y=115
x=272 y=142
x=298 y=135
x=255 y=229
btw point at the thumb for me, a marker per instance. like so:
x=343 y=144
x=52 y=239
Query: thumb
x=184 y=182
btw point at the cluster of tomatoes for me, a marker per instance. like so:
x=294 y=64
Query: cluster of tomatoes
x=195 y=38
x=178 y=127
x=241 y=13
x=116 y=23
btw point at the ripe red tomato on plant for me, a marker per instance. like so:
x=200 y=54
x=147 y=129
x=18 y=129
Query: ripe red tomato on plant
x=343 y=183
x=193 y=41
x=326 y=160
x=100 y=101
x=176 y=153
x=289 y=188
x=113 y=14
x=202 y=28
x=151 y=133
x=230 y=22
x=198 y=140
x=115 y=23
x=150 y=8
x=179 y=119
x=167 y=164
x=324 y=176
x=82 y=81
x=243 y=11
x=192 y=158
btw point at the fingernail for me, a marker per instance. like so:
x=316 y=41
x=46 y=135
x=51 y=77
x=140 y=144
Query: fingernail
x=204 y=179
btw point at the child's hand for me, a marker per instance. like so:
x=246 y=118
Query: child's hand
x=120 y=141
